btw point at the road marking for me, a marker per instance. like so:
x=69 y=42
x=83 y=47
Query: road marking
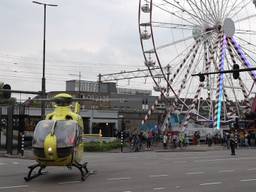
x=212 y=183
x=213 y=160
x=15 y=163
x=227 y=159
x=3 y=163
x=159 y=188
x=15 y=186
x=127 y=191
x=154 y=176
x=227 y=171
x=194 y=173
x=252 y=169
x=247 y=180
x=68 y=182
x=119 y=178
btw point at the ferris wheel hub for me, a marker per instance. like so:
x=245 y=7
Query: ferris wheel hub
x=229 y=27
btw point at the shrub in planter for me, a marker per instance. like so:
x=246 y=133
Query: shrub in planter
x=100 y=147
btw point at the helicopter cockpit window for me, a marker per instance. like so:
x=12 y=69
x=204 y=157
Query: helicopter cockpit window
x=43 y=128
x=63 y=101
x=66 y=133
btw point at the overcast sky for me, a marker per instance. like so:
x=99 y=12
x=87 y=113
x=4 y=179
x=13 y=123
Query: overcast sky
x=98 y=36
x=90 y=36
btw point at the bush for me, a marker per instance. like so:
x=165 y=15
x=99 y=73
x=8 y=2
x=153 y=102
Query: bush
x=101 y=147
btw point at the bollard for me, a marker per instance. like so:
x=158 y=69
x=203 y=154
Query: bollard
x=122 y=140
x=22 y=144
x=236 y=138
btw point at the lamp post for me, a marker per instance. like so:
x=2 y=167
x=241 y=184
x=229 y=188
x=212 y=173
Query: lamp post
x=43 y=77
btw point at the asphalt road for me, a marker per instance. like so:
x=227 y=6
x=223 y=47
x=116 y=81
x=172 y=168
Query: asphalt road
x=138 y=172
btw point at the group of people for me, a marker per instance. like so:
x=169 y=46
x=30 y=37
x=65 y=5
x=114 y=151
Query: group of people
x=136 y=141
x=174 y=140
x=143 y=140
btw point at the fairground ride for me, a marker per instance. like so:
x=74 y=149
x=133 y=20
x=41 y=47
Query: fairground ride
x=200 y=36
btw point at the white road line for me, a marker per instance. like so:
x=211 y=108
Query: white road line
x=227 y=159
x=158 y=188
x=3 y=163
x=252 y=169
x=68 y=182
x=15 y=163
x=194 y=173
x=213 y=160
x=118 y=178
x=247 y=180
x=212 y=183
x=154 y=176
x=127 y=191
x=15 y=186
x=227 y=171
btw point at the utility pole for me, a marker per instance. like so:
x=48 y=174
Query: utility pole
x=44 y=41
x=9 y=129
x=99 y=83
x=79 y=85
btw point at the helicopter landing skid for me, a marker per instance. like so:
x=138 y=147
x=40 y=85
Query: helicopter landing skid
x=39 y=172
x=83 y=170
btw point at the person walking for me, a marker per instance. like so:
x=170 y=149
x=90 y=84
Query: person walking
x=149 y=140
x=232 y=144
x=165 y=138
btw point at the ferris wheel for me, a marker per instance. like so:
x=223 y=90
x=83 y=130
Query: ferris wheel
x=200 y=36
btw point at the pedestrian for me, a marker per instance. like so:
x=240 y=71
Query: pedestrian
x=232 y=144
x=174 y=141
x=149 y=140
x=209 y=139
x=165 y=138
x=141 y=138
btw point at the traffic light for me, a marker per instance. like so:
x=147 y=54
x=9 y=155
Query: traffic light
x=3 y=94
x=236 y=71
x=201 y=77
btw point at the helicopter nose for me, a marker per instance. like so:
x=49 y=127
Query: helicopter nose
x=50 y=147
x=49 y=150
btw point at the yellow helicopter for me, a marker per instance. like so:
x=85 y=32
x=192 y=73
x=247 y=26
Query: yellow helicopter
x=57 y=140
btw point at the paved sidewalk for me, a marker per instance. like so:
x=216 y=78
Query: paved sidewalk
x=190 y=148
x=28 y=154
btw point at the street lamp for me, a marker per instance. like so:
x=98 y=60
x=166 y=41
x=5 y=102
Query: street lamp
x=43 y=77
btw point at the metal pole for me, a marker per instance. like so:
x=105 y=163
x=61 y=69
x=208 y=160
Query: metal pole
x=9 y=131
x=122 y=134
x=44 y=42
x=168 y=79
x=43 y=78
x=22 y=144
x=91 y=121
x=99 y=83
x=122 y=140
x=79 y=85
